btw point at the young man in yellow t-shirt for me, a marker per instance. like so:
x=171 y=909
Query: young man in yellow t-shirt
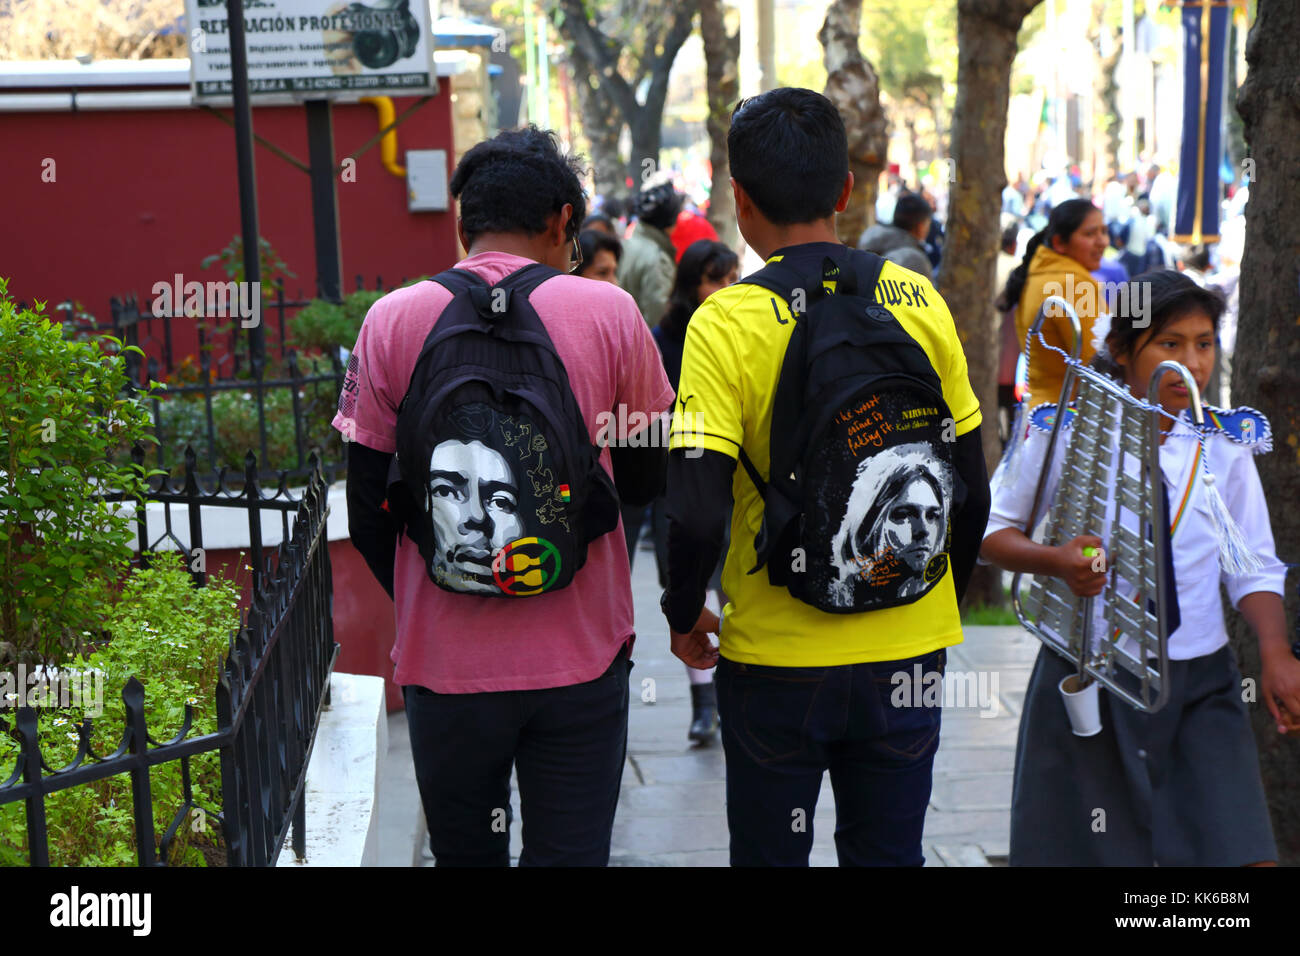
x=802 y=691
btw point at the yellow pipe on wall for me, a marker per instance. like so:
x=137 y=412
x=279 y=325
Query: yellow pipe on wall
x=388 y=145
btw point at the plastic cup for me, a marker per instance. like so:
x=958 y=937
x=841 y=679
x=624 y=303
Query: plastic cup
x=1082 y=706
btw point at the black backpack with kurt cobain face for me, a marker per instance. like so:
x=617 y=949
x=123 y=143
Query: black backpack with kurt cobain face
x=857 y=513
x=496 y=478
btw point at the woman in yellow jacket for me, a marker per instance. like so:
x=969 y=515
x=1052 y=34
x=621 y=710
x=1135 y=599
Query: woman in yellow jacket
x=1058 y=260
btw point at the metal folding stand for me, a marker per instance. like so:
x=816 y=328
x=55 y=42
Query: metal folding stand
x=1110 y=486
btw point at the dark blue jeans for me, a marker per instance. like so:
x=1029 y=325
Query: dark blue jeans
x=784 y=727
x=567 y=745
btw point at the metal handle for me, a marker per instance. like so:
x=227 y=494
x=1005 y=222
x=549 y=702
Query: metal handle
x=1070 y=313
x=1171 y=366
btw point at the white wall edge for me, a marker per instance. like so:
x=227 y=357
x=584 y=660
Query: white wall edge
x=227 y=528
x=342 y=790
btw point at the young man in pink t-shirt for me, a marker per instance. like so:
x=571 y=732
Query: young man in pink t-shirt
x=539 y=684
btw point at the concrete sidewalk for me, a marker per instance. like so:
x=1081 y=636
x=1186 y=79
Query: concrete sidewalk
x=671 y=808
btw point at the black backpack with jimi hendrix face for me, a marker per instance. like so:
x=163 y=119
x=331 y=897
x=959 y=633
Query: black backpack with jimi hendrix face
x=857 y=513
x=496 y=478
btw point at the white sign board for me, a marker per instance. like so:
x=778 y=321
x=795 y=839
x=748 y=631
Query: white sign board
x=314 y=49
x=426 y=180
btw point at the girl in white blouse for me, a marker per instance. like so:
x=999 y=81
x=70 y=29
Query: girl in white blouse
x=1180 y=786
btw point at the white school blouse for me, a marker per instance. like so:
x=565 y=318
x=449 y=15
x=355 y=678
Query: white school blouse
x=1235 y=438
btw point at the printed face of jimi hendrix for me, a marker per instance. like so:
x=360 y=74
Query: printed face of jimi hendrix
x=474 y=504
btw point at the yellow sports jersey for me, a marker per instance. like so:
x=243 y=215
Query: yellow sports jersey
x=734 y=348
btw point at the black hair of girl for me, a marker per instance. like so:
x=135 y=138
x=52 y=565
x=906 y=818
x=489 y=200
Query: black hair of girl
x=1146 y=304
x=1065 y=220
x=592 y=242
x=703 y=257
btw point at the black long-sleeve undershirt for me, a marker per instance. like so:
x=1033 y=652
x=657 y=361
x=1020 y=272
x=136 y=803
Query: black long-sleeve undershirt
x=699 y=495
x=971 y=518
x=372 y=528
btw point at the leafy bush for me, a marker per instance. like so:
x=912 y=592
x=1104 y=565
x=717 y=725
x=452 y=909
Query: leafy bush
x=325 y=326
x=173 y=637
x=64 y=421
x=182 y=421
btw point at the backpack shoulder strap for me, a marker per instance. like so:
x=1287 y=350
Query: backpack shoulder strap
x=862 y=271
x=779 y=277
x=525 y=280
x=457 y=281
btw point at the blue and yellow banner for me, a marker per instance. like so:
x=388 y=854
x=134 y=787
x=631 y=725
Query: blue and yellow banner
x=1205 y=43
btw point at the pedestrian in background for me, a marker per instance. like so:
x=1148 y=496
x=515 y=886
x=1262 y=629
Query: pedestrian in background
x=903 y=240
x=1059 y=260
x=706 y=266
x=649 y=259
x=601 y=252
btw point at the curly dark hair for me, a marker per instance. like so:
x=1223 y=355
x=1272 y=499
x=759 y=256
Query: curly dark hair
x=515 y=182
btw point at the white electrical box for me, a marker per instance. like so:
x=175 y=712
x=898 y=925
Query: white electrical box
x=426 y=180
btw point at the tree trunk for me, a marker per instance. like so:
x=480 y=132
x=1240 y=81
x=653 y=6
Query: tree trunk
x=644 y=159
x=1266 y=362
x=601 y=124
x=909 y=121
x=1105 y=89
x=722 y=81
x=853 y=86
x=1236 y=138
x=986 y=39
x=602 y=54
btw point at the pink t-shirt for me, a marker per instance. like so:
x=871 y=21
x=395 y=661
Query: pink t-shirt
x=461 y=643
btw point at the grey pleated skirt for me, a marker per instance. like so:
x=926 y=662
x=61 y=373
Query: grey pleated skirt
x=1179 y=787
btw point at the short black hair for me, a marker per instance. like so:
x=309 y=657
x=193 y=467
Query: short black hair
x=1011 y=237
x=789 y=152
x=593 y=241
x=598 y=220
x=911 y=210
x=1198 y=258
x=515 y=182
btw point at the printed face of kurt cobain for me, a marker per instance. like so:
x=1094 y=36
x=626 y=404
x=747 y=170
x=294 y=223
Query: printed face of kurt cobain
x=913 y=525
x=474 y=504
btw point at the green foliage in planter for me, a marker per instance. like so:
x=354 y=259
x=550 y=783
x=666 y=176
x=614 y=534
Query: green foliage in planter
x=328 y=326
x=173 y=637
x=231 y=261
x=64 y=422
x=183 y=421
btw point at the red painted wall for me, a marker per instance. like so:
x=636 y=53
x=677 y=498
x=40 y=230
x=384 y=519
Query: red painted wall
x=141 y=195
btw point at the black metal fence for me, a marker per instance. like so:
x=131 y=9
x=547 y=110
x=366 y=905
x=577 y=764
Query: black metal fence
x=273 y=685
x=288 y=399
